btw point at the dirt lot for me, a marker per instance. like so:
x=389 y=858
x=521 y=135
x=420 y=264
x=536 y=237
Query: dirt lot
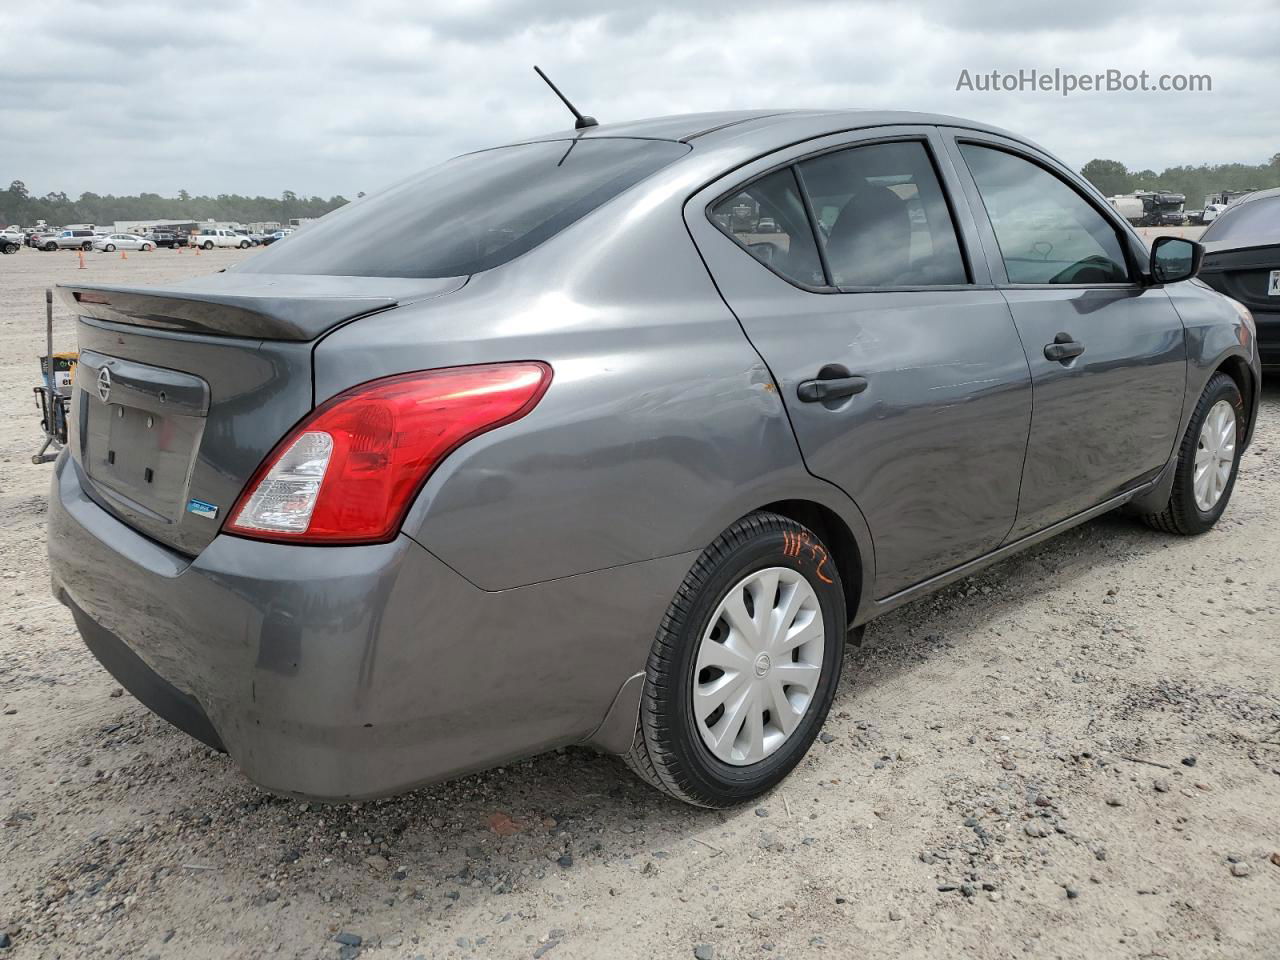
x=1074 y=754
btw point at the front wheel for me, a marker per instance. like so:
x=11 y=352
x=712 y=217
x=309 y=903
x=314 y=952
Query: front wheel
x=744 y=666
x=1208 y=461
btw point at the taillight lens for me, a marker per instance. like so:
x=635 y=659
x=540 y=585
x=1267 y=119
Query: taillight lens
x=349 y=471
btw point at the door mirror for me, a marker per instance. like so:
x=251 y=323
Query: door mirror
x=1174 y=259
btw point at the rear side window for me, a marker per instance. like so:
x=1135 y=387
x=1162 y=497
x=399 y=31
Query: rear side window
x=1048 y=232
x=471 y=214
x=767 y=218
x=1251 y=221
x=883 y=218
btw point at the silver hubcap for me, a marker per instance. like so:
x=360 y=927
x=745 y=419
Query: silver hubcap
x=758 y=665
x=1215 y=455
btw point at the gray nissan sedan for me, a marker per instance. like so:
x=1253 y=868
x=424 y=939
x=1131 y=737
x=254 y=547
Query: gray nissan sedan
x=614 y=437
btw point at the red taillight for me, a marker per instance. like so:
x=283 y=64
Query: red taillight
x=349 y=471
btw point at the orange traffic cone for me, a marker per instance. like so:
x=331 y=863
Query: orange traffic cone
x=81 y=259
x=197 y=249
x=123 y=255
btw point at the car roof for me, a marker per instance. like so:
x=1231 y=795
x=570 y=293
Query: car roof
x=737 y=136
x=768 y=123
x=1270 y=194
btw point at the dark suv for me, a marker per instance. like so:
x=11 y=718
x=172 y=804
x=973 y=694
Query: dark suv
x=166 y=239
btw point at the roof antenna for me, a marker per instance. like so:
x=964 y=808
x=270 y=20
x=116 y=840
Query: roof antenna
x=580 y=122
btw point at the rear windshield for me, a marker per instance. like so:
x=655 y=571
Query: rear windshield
x=1250 y=221
x=470 y=214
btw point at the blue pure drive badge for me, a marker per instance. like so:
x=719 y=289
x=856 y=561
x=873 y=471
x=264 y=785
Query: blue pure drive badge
x=202 y=509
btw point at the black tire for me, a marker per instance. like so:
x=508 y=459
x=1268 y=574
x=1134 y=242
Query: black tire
x=110 y=248
x=668 y=751
x=50 y=247
x=208 y=245
x=1181 y=515
x=86 y=246
x=244 y=245
x=146 y=248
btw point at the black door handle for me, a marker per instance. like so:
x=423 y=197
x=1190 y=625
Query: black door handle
x=1063 y=348
x=812 y=391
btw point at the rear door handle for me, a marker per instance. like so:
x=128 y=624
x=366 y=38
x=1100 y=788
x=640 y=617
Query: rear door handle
x=1063 y=348
x=813 y=391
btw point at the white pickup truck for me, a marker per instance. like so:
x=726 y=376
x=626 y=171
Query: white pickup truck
x=208 y=239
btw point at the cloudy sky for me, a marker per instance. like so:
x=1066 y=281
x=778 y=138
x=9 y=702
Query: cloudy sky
x=261 y=96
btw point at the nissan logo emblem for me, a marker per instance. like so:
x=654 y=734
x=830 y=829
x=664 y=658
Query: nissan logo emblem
x=104 y=385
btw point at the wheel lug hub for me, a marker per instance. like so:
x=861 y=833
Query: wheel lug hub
x=763 y=665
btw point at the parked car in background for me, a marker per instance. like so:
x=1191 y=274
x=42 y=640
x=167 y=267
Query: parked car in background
x=273 y=237
x=1242 y=260
x=248 y=236
x=208 y=239
x=1211 y=212
x=80 y=239
x=123 y=241
x=541 y=447
x=166 y=239
x=9 y=243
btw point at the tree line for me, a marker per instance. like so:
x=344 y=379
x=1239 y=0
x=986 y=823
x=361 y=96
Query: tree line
x=18 y=206
x=1195 y=183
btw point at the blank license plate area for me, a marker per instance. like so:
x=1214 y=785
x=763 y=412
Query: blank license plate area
x=140 y=455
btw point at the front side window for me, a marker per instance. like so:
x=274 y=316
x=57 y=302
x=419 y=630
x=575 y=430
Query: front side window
x=1047 y=232
x=883 y=218
x=767 y=218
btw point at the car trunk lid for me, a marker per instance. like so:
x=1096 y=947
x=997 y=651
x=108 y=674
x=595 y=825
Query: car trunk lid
x=181 y=392
x=255 y=305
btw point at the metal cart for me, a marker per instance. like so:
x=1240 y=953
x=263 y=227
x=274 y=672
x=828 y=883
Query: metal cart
x=53 y=396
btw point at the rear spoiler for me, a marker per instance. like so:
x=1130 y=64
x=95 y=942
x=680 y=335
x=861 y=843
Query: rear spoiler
x=1248 y=253
x=256 y=306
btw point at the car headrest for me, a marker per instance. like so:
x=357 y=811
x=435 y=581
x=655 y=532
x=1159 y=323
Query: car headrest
x=870 y=243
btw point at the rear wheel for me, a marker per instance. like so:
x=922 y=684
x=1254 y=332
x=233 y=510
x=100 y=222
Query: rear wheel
x=86 y=246
x=1208 y=461
x=744 y=666
x=110 y=248
x=50 y=246
x=208 y=245
x=244 y=244
x=146 y=247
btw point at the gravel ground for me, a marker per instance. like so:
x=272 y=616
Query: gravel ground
x=1075 y=753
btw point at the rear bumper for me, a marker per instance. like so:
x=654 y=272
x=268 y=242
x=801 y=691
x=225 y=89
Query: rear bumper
x=350 y=672
x=1268 y=336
